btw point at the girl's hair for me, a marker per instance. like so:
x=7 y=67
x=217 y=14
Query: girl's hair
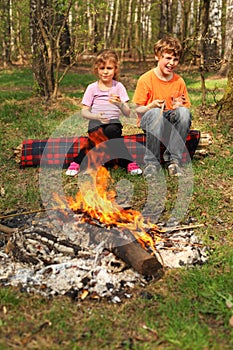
x=170 y=45
x=105 y=55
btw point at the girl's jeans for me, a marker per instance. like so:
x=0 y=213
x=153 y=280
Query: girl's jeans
x=171 y=128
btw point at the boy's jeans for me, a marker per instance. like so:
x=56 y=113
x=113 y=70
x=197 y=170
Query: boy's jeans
x=171 y=128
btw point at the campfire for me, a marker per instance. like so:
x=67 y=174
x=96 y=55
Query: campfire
x=102 y=249
x=126 y=232
x=98 y=203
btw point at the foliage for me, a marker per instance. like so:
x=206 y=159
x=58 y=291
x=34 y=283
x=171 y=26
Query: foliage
x=58 y=34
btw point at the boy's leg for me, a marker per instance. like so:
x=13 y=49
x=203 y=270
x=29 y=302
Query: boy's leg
x=179 y=124
x=152 y=122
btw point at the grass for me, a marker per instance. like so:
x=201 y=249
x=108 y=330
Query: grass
x=189 y=308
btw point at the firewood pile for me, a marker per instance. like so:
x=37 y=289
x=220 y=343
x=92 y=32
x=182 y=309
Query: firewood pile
x=203 y=145
x=78 y=259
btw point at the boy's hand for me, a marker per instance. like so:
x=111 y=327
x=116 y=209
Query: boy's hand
x=157 y=104
x=178 y=101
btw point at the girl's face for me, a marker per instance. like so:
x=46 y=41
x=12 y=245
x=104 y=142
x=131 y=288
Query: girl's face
x=106 y=71
x=167 y=62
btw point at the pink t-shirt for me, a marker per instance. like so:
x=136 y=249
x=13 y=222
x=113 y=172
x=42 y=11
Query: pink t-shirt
x=98 y=100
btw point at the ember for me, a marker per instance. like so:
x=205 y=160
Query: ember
x=39 y=258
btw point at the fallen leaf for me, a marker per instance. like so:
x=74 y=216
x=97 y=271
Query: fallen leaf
x=229 y=304
x=231 y=321
x=2 y=191
x=84 y=294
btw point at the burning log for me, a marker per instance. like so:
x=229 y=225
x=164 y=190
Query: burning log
x=125 y=247
x=137 y=257
x=125 y=231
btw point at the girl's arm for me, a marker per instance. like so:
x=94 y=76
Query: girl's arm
x=123 y=106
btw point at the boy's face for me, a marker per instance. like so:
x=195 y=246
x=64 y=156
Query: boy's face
x=167 y=62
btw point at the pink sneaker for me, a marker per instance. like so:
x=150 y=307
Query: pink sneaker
x=134 y=169
x=73 y=169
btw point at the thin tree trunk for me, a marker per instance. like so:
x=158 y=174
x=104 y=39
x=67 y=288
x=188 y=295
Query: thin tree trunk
x=227 y=100
x=228 y=38
x=6 y=40
x=204 y=47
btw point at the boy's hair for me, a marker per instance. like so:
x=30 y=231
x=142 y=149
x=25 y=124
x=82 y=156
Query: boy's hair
x=168 y=44
x=105 y=55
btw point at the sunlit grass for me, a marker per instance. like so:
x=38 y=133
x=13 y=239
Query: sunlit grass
x=16 y=77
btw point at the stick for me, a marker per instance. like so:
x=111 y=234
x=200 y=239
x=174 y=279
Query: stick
x=178 y=228
x=155 y=122
x=28 y=212
x=6 y=229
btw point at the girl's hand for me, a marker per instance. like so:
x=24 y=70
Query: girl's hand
x=102 y=118
x=115 y=99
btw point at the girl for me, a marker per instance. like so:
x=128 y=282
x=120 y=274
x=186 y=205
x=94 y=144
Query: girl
x=103 y=102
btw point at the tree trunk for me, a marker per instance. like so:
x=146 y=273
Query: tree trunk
x=49 y=29
x=227 y=100
x=227 y=38
x=42 y=50
x=6 y=38
x=204 y=47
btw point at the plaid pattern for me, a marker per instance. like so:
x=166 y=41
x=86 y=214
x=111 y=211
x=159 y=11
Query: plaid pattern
x=61 y=151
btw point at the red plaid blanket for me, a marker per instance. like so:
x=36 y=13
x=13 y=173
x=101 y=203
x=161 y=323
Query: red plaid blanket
x=61 y=151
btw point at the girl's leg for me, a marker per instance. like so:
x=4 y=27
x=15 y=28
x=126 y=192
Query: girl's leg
x=117 y=146
x=81 y=158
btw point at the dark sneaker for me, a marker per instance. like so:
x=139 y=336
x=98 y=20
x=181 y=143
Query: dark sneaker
x=174 y=170
x=150 y=170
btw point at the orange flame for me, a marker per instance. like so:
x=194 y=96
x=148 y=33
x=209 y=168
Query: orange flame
x=95 y=199
x=98 y=201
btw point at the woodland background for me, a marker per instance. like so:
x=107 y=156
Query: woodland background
x=55 y=35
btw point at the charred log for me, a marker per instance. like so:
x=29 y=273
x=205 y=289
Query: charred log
x=125 y=247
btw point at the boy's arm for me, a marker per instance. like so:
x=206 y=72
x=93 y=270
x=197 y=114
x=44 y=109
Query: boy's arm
x=154 y=104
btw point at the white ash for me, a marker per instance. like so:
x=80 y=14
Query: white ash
x=185 y=249
x=38 y=259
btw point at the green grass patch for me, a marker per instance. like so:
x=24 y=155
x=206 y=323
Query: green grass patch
x=18 y=77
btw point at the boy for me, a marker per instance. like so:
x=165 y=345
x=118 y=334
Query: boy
x=163 y=108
